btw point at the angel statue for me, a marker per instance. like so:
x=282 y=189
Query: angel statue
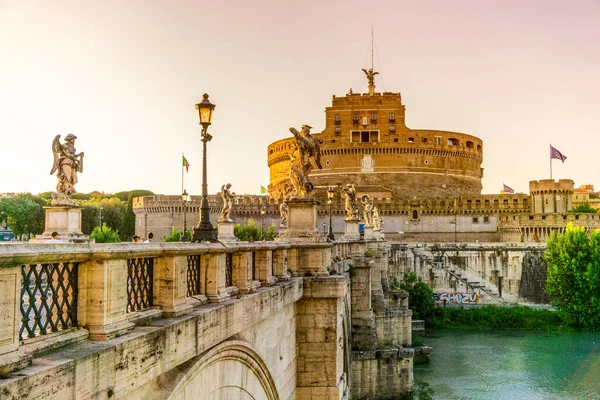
x=351 y=204
x=370 y=75
x=283 y=208
x=227 y=197
x=376 y=219
x=67 y=162
x=367 y=209
x=305 y=157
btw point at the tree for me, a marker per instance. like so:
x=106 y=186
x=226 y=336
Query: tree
x=176 y=235
x=23 y=214
x=105 y=235
x=128 y=228
x=249 y=229
x=420 y=299
x=573 y=280
x=584 y=207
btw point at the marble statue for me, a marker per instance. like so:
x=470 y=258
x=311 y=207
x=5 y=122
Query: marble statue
x=227 y=195
x=283 y=214
x=305 y=157
x=351 y=201
x=67 y=163
x=367 y=209
x=376 y=219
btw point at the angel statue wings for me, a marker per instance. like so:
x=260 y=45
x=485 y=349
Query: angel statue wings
x=67 y=163
x=305 y=157
x=370 y=75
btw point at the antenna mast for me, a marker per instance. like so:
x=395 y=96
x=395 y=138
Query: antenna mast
x=372 y=48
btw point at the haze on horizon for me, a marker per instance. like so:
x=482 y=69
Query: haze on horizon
x=124 y=77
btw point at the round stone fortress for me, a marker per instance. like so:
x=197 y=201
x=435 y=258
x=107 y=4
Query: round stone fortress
x=366 y=142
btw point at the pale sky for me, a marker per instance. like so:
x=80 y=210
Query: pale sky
x=124 y=77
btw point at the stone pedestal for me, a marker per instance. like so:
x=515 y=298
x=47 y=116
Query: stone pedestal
x=377 y=234
x=352 y=229
x=66 y=220
x=368 y=233
x=225 y=233
x=302 y=221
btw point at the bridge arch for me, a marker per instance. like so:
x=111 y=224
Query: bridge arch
x=230 y=370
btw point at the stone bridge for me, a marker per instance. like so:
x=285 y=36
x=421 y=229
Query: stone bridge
x=268 y=320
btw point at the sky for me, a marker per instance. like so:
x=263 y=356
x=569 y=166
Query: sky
x=123 y=76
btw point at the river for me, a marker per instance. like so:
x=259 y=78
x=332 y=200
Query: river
x=512 y=365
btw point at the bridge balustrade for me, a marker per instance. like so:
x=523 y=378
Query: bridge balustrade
x=107 y=288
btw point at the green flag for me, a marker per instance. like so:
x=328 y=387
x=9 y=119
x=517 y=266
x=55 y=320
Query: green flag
x=263 y=190
x=186 y=164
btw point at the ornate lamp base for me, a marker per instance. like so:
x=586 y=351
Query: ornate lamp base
x=205 y=233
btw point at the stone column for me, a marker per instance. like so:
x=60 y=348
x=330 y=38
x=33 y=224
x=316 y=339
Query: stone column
x=264 y=267
x=351 y=231
x=242 y=271
x=369 y=233
x=170 y=286
x=280 y=264
x=321 y=339
x=213 y=265
x=10 y=320
x=364 y=335
x=102 y=300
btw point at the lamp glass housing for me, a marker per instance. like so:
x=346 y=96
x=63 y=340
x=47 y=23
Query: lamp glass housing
x=330 y=192
x=205 y=111
x=185 y=197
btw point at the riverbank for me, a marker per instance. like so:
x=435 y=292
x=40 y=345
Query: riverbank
x=496 y=318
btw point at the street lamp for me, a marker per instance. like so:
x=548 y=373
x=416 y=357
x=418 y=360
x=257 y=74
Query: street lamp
x=185 y=197
x=330 y=194
x=204 y=230
x=263 y=211
x=100 y=216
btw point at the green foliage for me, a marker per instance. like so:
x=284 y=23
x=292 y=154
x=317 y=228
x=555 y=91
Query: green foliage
x=250 y=229
x=128 y=227
x=420 y=299
x=496 y=318
x=176 y=235
x=422 y=391
x=23 y=214
x=573 y=280
x=105 y=235
x=124 y=196
x=584 y=207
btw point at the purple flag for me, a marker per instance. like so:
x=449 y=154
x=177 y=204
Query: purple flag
x=554 y=153
x=508 y=189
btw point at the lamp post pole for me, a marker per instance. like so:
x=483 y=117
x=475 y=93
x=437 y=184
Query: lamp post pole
x=204 y=231
x=184 y=200
x=262 y=217
x=330 y=193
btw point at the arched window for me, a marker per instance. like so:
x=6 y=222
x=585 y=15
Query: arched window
x=469 y=144
x=453 y=142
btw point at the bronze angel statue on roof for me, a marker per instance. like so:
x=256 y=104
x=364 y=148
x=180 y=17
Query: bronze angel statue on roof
x=67 y=163
x=305 y=157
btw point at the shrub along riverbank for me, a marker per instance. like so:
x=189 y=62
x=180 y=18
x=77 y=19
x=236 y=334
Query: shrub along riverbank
x=495 y=318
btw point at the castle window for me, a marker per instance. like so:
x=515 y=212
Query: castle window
x=438 y=140
x=355 y=118
x=496 y=202
x=338 y=119
x=531 y=217
x=373 y=118
x=524 y=202
x=487 y=203
x=411 y=140
x=486 y=220
x=271 y=151
x=365 y=121
x=392 y=117
x=395 y=140
x=475 y=220
x=478 y=203
x=506 y=202
x=468 y=203
x=338 y=130
x=452 y=142
x=392 y=128
x=424 y=140
x=364 y=136
x=415 y=214
x=479 y=147
x=515 y=203
x=543 y=217
x=469 y=144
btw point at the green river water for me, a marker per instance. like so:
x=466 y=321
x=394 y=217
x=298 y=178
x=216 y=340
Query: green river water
x=512 y=365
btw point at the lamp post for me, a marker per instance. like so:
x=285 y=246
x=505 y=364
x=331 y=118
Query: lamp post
x=100 y=216
x=330 y=194
x=204 y=230
x=263 y=211
x=185 y=197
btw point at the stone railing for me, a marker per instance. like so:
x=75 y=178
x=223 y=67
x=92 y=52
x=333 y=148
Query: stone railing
x=47 y=291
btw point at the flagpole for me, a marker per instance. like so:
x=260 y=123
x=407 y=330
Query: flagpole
x=550 y=160
x=182 y=156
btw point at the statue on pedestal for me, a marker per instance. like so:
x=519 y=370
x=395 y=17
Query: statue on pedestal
x=67 y=162
x=376 y=219
x=227 y=197
x=305 y=157
x=370 y=76
x=367 y=209
x=351 y=202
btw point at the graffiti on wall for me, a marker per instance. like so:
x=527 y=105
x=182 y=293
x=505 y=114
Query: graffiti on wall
x=458 y=298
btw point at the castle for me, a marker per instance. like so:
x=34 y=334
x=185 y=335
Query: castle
x=425 y=183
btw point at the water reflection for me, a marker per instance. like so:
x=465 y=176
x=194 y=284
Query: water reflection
x=513 y=365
